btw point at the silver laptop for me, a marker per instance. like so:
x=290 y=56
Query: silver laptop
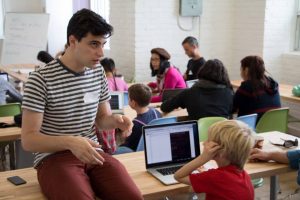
x=168 y=147
x=117 y=102
x=4 y=76
x=190 y=83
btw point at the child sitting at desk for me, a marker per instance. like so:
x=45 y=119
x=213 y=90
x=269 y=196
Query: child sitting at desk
x=139 y=99
x=229 y=144
x=114 y=83
x=258 y=92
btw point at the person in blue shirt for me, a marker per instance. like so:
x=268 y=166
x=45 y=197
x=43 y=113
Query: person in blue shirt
x=7 y=88
x=139 y=100
x=291 y=157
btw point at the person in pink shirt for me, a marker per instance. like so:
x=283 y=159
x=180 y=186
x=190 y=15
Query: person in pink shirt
x=167 y=75
x=115 y=83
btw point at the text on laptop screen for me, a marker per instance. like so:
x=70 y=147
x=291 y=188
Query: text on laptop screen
x=170 y=143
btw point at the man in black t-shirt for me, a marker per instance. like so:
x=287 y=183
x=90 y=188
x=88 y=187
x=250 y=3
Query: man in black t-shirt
x=191 y=48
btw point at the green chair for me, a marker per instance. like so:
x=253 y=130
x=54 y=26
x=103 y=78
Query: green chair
x=273 y=120
x=204 y=124
x=9 y=110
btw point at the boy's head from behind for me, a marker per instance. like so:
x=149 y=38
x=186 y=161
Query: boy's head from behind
x=140 y=94
x=235 y=139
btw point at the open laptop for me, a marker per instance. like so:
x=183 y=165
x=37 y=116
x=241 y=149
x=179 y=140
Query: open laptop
x=117 y=102
x=190 y=83
x=168 y=147
x=170 y=93
x=4 y=76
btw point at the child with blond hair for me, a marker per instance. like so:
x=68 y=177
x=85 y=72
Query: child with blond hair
x=229 y=144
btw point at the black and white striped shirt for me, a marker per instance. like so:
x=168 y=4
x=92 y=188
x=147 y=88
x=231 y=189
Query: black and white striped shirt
x=69 y=100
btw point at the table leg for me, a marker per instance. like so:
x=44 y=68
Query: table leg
x=273 y=187
x=12 y=156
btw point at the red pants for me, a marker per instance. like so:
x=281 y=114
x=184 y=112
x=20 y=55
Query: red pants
x=63 y=176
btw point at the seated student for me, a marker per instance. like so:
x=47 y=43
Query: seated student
x=168 y=76
x=258 y=92
x=292 y=157
x=139 y=99
x=191 y=47
x=44 y=57
x=229 y=144
x=7 y=88
x=114 y=83
x=212 y=95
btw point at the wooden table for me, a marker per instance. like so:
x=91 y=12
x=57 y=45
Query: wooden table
x=284 y=90
x=11 y=133
x=150 y=187
x=20 y=76
x=180 y=113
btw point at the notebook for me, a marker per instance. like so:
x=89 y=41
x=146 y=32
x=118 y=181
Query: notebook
x=168 y=147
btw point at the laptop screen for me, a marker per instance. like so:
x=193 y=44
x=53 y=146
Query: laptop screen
x=117 y=101
x=4 y=76
x=171 y=143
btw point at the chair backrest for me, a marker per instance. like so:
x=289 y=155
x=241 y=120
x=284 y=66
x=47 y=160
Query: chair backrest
x=273 y=120
x=163 y=120
x=249 y=119
x=10 y=109
x=204 y=124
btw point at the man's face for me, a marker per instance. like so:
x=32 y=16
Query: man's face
x=189 y=50
x=89 y=50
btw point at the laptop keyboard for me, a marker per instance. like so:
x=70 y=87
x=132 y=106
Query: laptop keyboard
x=168 y=170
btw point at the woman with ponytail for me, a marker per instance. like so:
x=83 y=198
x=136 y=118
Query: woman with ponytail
x=115 y=83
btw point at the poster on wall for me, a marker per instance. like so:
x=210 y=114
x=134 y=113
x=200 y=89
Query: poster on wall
x=25 y=34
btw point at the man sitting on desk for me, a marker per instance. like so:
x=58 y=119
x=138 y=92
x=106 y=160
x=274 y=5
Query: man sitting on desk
x=8 y=89
x=191 y=48
x=62 y=103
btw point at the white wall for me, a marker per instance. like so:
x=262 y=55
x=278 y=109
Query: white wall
x=280 y=21
x=122 y=43
x=59 y=18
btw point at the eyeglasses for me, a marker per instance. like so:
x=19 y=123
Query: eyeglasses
x=287 y=143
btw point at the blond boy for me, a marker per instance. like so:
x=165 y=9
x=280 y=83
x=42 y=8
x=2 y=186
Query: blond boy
x=229 y=144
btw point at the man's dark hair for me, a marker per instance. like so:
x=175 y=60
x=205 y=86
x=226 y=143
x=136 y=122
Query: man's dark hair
x=214 y=70
x=140 y=93
x=191 y=41
x=86 y=21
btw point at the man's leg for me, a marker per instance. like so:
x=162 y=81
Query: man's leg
x=112 y=181
x=63 y=176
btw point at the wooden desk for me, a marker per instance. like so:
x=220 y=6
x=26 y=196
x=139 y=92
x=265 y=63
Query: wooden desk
x=181 y=114
x=284 y=90
x=150 y=187
x=11 y=133
x=20 y=76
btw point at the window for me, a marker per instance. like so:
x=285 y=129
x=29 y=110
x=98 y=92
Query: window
x=297 y=40
x=101 y=7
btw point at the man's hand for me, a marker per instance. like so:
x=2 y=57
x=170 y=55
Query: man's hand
x=84 y=150
x=123 y=123
x=258 y=154
x=210 y=150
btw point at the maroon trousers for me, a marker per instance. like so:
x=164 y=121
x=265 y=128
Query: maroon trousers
x=62 y=176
